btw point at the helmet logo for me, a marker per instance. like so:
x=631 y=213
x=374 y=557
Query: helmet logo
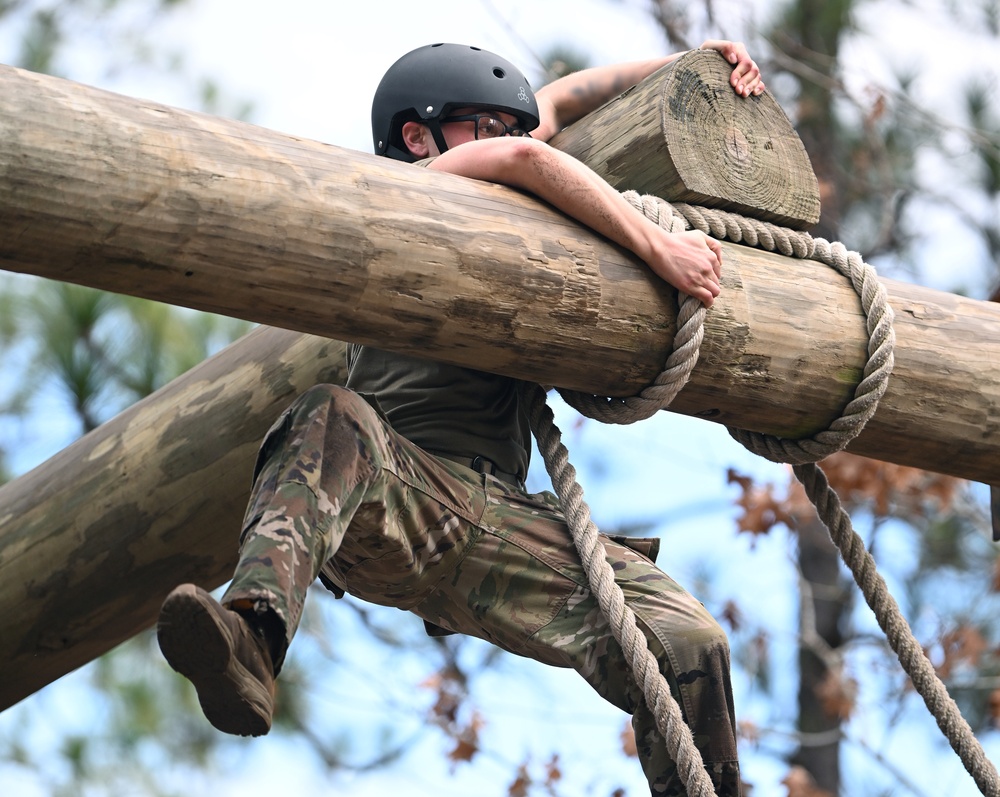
x=523 y=96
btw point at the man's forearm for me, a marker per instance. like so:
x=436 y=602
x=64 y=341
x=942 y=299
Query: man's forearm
x=574 y=96
x=689 y=261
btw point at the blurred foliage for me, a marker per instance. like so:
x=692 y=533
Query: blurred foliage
x=945 y=529
x=95 y=352
x=563 y=60
x=54 y=36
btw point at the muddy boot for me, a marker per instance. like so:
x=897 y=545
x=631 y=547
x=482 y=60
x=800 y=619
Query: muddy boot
x=228 y=662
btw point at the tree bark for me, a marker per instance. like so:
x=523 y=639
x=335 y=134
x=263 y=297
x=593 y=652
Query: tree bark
x=826 y=598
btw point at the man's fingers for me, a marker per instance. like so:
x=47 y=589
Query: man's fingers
x=745 y=78
x=707 y=290
x=716 y=248
x=702 y=295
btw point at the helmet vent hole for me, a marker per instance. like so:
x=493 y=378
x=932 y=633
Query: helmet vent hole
x=498 y=72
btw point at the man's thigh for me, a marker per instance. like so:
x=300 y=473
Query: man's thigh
x=522 y=584
x=411 y=529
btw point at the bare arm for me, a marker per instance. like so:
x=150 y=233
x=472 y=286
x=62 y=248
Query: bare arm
x=572 y=97
x=690 y=261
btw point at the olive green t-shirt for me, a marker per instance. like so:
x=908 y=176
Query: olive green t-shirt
x=446 y=409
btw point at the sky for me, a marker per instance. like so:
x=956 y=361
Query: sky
x=310 y=68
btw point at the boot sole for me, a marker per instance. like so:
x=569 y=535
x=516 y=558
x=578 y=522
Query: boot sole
x=200 y=647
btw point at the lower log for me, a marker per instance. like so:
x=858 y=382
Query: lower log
x=93 y=539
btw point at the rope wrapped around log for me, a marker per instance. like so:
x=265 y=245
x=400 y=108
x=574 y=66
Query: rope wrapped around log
x=801 y=454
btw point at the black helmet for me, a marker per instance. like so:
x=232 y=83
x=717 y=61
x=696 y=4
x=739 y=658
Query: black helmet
x=427 y=83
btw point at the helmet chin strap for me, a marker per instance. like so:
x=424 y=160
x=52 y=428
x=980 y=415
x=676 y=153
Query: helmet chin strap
x=435 y=128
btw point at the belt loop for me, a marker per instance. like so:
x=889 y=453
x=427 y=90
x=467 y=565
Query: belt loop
x=483 y=465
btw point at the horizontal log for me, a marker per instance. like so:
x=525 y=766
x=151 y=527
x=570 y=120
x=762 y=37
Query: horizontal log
x=231 y=218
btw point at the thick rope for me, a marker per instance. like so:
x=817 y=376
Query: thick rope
x=802 y=454
x=669 y=721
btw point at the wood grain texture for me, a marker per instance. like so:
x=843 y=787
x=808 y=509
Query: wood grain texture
x=684 y=135
x=231 y=218
x=92 y=540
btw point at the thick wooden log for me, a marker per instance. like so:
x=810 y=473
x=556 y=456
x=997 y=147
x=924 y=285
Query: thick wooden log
x=94 y=538
x=684 y=135
x=152 y=201
x=230 y=218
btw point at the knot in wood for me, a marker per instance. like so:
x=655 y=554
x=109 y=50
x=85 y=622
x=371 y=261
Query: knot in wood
x=736 y=144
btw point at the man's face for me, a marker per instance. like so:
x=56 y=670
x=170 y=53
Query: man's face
x=458 y=133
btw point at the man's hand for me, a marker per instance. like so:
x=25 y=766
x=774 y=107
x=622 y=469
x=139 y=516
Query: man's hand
x=690 y=261
x=745 y=78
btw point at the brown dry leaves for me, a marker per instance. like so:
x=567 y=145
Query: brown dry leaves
x=800 y=783
x=627 y=737
x=551 y=775
x=885 y=487
x=837 y=694
x=450 y=687
x=762 y=509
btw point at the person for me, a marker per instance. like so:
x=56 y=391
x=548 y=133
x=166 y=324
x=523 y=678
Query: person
x=406 y=487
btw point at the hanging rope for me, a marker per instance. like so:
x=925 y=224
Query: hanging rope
x=802 y=454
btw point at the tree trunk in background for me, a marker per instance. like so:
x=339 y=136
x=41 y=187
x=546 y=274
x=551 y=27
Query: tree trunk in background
x=826 y=599
x=818 y=25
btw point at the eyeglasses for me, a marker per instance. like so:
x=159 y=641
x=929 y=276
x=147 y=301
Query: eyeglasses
x=488 y=126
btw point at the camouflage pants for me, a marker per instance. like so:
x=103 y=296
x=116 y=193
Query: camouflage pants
x=338 y=491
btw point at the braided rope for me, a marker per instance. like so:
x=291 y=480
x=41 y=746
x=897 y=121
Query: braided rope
x=802 y=454
x=897 y=631
x=601 y=577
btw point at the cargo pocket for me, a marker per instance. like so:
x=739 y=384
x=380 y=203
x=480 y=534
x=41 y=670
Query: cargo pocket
x=644 y=546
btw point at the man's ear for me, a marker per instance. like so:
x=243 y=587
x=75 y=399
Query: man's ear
x=415 y=136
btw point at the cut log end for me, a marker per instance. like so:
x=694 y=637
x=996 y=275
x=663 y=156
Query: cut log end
x=700 y=143
x=735 y=152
